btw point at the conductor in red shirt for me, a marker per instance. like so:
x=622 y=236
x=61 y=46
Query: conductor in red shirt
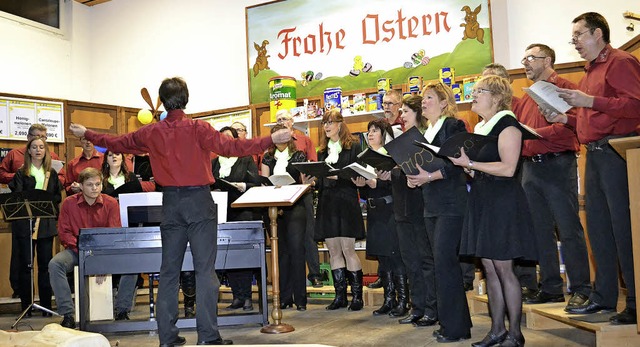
x=179 y=152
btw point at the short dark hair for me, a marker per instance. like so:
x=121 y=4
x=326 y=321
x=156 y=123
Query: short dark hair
x=233 y=131
x=382 y=125
x=593 y=21
x=546 y=50
x=174 y=93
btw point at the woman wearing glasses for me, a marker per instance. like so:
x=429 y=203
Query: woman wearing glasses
x=497 y=228
x=339 y=217
x=444 y=192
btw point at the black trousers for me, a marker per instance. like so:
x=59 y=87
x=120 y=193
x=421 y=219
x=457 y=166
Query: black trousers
x=444 y=234
x=310 y=245
x=416 y=252
x=291 y=238
x=609 y=225
x=552 y=191
x=43 y=251
x=189 y=217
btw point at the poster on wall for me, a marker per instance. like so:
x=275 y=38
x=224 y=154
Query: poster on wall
x=17 y=115
x=353 y=44
x=226 y=119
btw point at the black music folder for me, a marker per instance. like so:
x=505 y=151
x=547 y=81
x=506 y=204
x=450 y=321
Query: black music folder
x=132 y=186
x=472 y=144
x=379 y=161
x=314 y=168
x=409 y=156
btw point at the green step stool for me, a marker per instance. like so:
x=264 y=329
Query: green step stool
x=327 y=280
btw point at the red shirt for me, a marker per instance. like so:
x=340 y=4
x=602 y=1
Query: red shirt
x=76 y=213
x=304 y=144
x=14 y=161
x=556 y=137
x=179 y=148
x=613 y=78
x=79 y=163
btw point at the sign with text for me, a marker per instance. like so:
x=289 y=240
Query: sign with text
x=353 y=44
x=17 y=115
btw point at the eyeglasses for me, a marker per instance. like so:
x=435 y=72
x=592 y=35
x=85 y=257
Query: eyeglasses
x=282 y=120
x=329 y=122
x=389 y=104
x=530 y=58
x=241 y=130
x=480 y=91
x=574 y=38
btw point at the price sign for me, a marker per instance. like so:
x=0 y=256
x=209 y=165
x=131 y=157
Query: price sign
x=17 y=115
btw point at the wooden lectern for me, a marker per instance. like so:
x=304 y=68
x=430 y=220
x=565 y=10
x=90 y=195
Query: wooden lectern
x=273 y=197
x=629 y=149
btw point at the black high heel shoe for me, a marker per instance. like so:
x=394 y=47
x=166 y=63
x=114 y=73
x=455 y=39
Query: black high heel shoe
x=491 y=340
x=512 y=341
x=285 y=305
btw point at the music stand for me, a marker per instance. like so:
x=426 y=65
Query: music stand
x=273 y=197
x=28 y=205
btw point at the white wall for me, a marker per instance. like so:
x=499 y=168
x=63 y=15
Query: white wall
x=112 y=50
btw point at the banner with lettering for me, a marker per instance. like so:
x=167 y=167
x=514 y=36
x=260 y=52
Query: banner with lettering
x=17 y=115
x=353 y=44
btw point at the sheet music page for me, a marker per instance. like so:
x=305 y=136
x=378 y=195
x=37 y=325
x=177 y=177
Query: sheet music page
x=269 y=194
x=57 y=164
x=545 y=94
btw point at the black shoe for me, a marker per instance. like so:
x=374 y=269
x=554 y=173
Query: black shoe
x=122 y=315
x=576 y=300
x=235 y=304
x=589 y=307
x=468 y=286
x=447 y=339
x=248 y=305
x=528 y=293
x=544 y=297
x=425 y=321
x=375 y=284
x=218 y=341
x=627 y=316
x=437 y=332
x=316 y=282
x=69 y=321
x=285 y=305
x=46 y=314
x=15 y=295
x=189 y=312
x=301 y=307
x=491 y=340
x=410 y=319
x=512 y=341
x=179 y=341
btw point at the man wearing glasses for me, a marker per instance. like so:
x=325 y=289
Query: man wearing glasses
x=10 y=165
x=391 y=104
x=304 y=144
x=607 y=102
x=549 y=178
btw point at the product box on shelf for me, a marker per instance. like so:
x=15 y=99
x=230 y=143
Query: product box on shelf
x=332 y=99
x=447 y=75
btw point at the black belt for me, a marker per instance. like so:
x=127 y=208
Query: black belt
x=597 y=145
x=378 y=202
x=184 y=188
x=541 y=158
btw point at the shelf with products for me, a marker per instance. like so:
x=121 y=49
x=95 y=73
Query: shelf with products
x=303 y=124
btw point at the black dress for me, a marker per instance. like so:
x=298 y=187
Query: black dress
x=339 y=213
x=382 y=238
x=498 y=223
x=109 y=188
x=21 y=238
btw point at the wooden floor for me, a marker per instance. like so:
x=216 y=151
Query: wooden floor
x=332 y=328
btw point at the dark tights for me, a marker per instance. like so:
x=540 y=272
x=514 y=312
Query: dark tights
x=503 y=290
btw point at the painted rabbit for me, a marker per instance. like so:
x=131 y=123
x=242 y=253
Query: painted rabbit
x=471 y=26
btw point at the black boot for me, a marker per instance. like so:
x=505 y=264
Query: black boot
x=389 y=294
x=378 y=282
x=188 y=279
x=402 y=289
x=355 y=279
x=340 y=284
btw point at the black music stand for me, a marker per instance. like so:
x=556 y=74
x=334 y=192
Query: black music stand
x=28 y=205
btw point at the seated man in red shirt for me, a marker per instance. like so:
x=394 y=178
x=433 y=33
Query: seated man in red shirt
x=89 y=209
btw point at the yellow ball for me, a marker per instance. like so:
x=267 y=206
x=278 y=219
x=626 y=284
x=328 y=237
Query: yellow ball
x=145 y=116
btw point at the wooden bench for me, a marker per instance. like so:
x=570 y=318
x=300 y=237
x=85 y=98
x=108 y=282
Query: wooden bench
x=552 y=316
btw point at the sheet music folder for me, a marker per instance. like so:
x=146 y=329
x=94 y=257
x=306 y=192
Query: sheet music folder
x=27 y=204
x=262 y=196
